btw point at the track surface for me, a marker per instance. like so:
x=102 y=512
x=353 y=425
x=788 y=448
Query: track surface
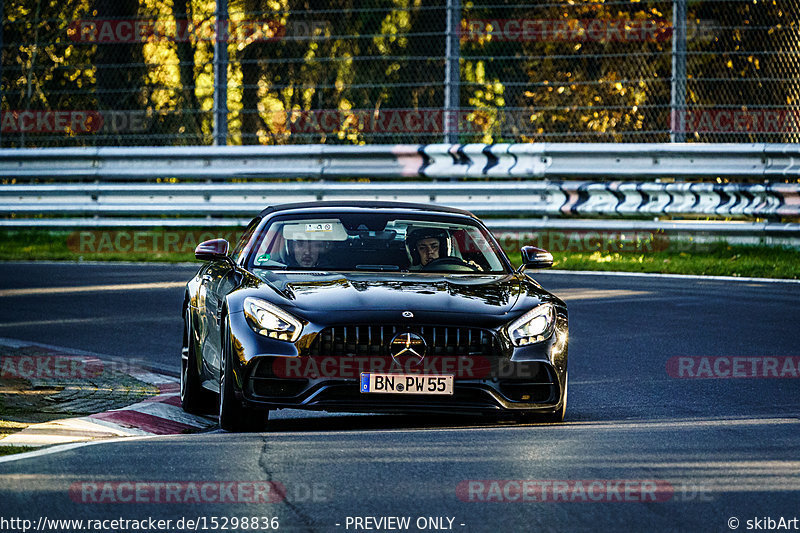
x=723 y=447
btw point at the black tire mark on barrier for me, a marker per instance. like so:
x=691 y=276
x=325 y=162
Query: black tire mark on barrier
x=460 y=158
x=696 y=195
x=426 y=159
x=644 y=196
x=767 y=200
x=583 y=197
x=723 y=198
x=671 y=199
x=491 y=159
x=613 y=188
x=508 y=153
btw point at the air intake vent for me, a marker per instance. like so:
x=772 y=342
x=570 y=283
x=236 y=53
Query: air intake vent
x=374 y=340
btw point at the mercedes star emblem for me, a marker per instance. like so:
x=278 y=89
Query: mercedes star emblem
x=409 y=344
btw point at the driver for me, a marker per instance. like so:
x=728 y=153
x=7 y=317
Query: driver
x=427 y=244
x=306 y=253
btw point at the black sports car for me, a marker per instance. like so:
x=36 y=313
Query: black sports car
x=380 y=307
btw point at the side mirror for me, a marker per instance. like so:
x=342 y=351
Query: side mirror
x=533 y=257
x=213 y=250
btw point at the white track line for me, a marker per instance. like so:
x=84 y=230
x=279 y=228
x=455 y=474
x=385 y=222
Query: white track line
x=669 y=276
x=92 y=288
x=66 y=447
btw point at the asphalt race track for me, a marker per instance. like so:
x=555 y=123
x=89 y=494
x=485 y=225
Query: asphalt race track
x=671 y=424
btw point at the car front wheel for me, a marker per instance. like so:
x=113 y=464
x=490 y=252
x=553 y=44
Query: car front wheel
x=194 y=398
x=234 y=416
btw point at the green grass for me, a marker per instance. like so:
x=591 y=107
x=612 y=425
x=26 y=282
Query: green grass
x=19 y=245
x=8 y=450
x=8 y=427
x=717 y=259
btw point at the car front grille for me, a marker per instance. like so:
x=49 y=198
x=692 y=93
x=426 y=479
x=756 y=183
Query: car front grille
x=366 y=340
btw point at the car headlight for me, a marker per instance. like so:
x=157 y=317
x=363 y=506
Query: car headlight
x=534 y=326
x=271 y=321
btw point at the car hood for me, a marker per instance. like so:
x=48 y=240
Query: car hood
x=314 y=294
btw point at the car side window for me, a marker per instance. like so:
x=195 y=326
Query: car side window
x=248 y=233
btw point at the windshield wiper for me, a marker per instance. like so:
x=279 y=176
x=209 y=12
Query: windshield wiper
x=378 y=267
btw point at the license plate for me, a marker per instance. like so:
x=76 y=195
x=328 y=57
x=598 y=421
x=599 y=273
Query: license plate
x=406 y=383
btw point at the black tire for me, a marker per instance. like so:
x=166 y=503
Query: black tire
x=233 y=415
x=194 y=398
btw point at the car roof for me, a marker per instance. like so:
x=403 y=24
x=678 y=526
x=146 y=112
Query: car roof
x=364 y=204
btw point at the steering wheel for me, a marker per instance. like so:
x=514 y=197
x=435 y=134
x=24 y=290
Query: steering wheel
x=449 y=261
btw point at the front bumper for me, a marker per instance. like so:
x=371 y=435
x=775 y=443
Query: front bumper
x=274 y=374
x=540 y=391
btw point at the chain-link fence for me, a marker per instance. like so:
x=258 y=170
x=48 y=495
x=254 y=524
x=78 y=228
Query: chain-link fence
x=142 y=72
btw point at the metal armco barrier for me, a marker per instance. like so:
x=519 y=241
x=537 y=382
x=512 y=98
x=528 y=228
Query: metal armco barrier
x=173 y=186
x=491 y=199
x=498 y=161
x=612 y=161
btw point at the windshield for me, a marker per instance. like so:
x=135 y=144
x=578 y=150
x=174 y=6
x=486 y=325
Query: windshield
x=375 y=242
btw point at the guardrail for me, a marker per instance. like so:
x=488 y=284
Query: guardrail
x=493 y=199
x=498 y=161
x=227 y=185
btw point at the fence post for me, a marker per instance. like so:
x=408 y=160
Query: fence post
x=3 y=13
x=221 y=75
x=678 y=87
x=452 y=73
